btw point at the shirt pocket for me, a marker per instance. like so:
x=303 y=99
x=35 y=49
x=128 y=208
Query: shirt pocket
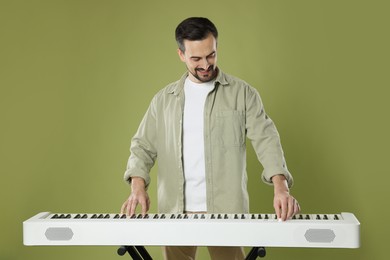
x=230 y=128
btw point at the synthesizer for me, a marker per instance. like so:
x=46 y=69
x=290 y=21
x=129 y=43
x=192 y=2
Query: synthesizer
x=252 y=230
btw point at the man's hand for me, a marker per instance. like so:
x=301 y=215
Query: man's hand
x=286 y=206
x=138 y=196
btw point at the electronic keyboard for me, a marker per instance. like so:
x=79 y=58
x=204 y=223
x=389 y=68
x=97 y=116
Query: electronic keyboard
x=252 y=230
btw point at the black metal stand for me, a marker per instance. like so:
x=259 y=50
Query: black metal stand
x=140 y=253
x=136 y=252
x=256 y=252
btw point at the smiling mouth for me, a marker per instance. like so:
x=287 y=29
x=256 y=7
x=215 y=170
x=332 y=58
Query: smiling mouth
x=203 y=71
x=204 y=75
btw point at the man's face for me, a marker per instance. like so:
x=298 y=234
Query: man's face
x=200 y=58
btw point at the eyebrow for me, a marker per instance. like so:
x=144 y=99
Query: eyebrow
x=197 y=57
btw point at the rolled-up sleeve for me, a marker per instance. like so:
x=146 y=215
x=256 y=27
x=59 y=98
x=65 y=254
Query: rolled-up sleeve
x=265 y=138
x=143 y=151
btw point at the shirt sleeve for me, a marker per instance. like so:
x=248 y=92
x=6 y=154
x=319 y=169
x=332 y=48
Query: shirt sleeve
x=265 y=139
x=143 y=151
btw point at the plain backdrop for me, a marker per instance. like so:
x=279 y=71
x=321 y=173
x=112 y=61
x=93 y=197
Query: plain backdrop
x=76 y=77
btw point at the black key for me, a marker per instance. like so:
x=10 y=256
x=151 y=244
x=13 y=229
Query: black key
x=78 y=216
x=202 y=216
x=107 y=216
x=325 y=217
x=100 y=216
x=162 y=216
x=179 y=216
x=243 y=216
x=235 y=216
x=85 y=216
x=266 y=216
x=133 y=216
x=260 y=217
x=124 y=216
x=212 y=216
x=336 y=217
x=155 y=216
x=185 y=216
x=55 y=216
x=318 y=217
x=226 y=216
x=116 y=216
x=253 y=216
x=196 y=216
x=219 y=216
x=307 y=217
x=173 y=216
x=94 y=216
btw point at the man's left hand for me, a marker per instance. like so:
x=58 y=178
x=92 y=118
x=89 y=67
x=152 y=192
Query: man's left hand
x=286 y=206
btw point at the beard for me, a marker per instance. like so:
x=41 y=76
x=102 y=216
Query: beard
x=211 y=74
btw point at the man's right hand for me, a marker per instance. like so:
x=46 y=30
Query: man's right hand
x=138 y=196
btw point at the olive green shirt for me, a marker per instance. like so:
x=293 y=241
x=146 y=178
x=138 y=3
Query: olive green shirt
x=233 y=111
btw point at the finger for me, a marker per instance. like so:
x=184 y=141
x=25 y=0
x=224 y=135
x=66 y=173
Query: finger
x=133 y=207
x=129 y=207
x=126 y=207
x=277 y=210
x=291 y=203
x=123 y=208
x=297 y=208
x=284 y=210
x=147 y=205
x=144 y=207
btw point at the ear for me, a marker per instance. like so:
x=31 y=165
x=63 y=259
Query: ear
x=181 y=55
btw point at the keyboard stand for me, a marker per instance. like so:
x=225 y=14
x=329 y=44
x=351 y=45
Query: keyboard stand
x=136 y=252
x=140 y=253
x=256 y=252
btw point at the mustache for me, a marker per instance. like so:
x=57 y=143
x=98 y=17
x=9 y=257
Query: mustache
x=211 y=68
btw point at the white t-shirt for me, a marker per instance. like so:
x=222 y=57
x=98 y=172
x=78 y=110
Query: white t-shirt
x=193 y=144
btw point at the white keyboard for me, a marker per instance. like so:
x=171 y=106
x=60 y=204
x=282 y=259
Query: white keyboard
x=252 y=230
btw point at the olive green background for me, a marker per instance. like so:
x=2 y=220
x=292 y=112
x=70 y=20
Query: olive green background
x=77 y=76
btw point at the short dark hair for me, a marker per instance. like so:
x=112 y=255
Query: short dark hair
x=194 y=29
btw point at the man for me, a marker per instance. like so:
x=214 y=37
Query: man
x=197 y=128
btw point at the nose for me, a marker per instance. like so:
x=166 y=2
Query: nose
x=205 y=64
